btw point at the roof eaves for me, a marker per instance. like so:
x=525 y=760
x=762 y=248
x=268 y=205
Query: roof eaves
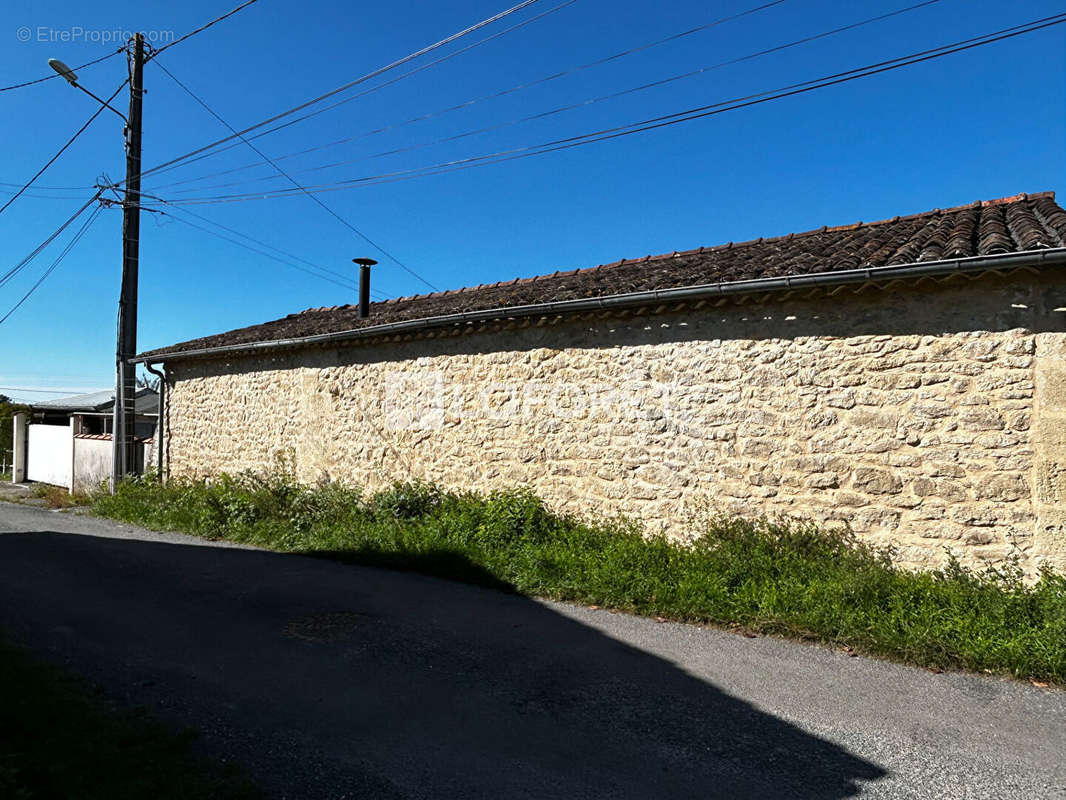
x=1043 y=258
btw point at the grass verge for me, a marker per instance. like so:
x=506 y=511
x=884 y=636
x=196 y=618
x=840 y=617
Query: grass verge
x=59 y=740
x=786 y=579
x=58 y=497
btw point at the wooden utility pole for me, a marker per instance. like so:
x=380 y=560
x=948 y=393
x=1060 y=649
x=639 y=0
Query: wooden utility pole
x=124 y=458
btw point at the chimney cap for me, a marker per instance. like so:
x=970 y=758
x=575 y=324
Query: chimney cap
x=364 y=262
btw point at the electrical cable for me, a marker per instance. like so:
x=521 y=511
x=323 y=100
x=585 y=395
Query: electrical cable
x=70 y=141
x=11 y=273
x=21 y=389
x=364 y=93
x=344 y=280
x=63 y=254
x=561 y=109
x=661 y=121
x=202 y=28
x=348 y=282
x=57 y=75
x=47 y=196
x=295 y=183
x=344 y=283
x=468 y=103
x=50 y=188
x=369 y=76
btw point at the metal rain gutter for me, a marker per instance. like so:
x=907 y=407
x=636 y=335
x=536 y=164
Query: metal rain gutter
x=1051 y=257
x=160 y=418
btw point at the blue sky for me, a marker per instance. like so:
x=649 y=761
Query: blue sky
x=977 y=125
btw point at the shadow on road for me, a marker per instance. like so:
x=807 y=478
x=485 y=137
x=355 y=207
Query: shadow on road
x=333 y=680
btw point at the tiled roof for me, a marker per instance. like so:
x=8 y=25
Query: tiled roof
x=992 y=227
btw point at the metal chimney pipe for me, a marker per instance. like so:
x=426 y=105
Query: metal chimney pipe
x=364 y=285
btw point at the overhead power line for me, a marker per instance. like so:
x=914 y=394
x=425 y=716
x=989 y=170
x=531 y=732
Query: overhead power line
x=656 y=122
x=54 y=75
x=345 y=279
x=655 y=84
x=40 y=196
x=59 y=259
x=372 y=89
x=282 y=257
x=579 y=68
x=264 y=253
x=569 y=107
x=202 y=28
x=24 y=390
x=62 y=149
x=49 y=188
x=11 y=273
x=469 y=103
x=368 y=76
x=295 y=183
x=40 y=188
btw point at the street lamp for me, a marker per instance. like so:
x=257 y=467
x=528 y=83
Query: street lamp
x=123 y=458
x=66 y=72
x=71 y=77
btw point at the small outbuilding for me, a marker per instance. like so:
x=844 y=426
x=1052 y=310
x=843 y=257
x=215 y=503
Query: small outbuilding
x=905 y=377
x=92 y=413
x=67 y=441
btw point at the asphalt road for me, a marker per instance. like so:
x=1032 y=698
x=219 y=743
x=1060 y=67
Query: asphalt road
x=329 y=681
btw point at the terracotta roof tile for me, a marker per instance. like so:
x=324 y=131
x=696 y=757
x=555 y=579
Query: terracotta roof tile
x=1006 y=225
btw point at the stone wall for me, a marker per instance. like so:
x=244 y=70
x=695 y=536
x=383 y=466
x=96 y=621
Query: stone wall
x=925 y=417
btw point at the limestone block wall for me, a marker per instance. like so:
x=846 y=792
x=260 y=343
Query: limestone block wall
x=925 y=417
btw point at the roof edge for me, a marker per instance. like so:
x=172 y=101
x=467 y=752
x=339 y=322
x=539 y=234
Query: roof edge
x=1049 y=257
x=1015 y=198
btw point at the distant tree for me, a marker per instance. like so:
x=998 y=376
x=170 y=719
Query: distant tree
x=7 y=430
x=144 y=382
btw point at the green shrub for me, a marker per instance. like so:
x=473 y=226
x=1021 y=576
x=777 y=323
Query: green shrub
x=407 y=500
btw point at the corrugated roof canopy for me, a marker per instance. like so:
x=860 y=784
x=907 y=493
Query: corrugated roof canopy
x=90 y=401
x=102 y=402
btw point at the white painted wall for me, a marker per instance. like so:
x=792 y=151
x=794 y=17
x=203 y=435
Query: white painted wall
x=80 y=463
x=92 y=463
x=50 y=455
